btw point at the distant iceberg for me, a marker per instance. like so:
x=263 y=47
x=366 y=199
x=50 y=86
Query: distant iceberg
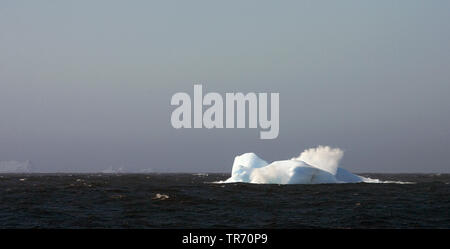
x=313 y=166
x=111 y=170
x=125 y=170
x=16 y=167
x=146 y=171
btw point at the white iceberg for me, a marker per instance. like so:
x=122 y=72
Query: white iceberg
x=111 y=170
x=313 y=166
x=16 y=167
x=146 y=171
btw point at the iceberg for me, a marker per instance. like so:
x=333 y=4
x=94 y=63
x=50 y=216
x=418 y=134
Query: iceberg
x=146 y=171
x=111 y=170
x=15 y=167
x=313 y=166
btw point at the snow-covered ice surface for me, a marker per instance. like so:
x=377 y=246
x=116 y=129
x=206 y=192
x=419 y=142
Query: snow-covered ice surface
x=313 y=166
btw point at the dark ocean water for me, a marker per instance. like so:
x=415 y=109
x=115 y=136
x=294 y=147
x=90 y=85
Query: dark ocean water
x=192 y=201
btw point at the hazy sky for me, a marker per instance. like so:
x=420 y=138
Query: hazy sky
x=85 y=85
